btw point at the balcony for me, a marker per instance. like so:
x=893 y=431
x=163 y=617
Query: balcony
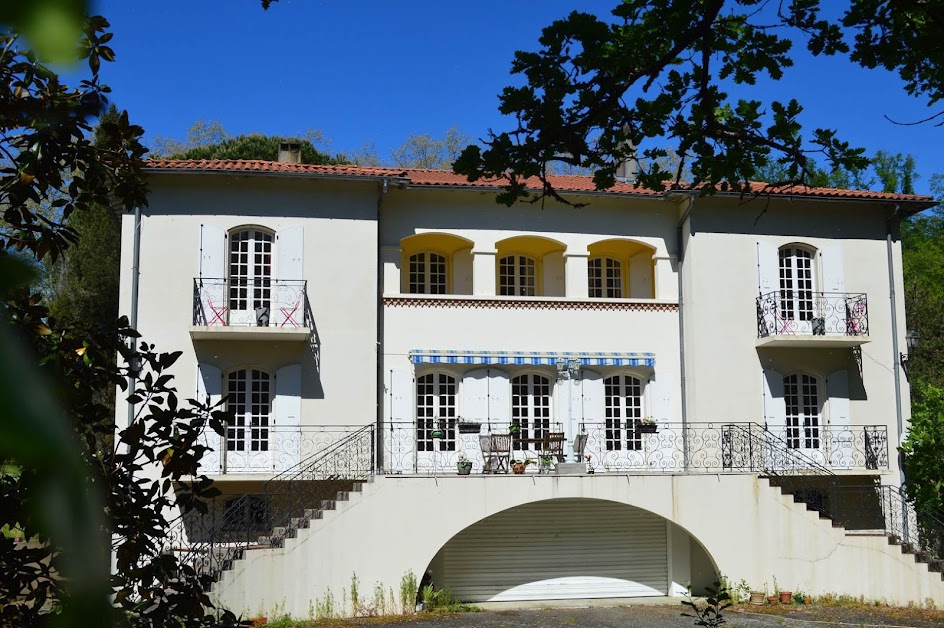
x=250 y=309
x=627 y=447
x=790 y=318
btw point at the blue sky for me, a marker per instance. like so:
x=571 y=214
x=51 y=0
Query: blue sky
x=375 y=71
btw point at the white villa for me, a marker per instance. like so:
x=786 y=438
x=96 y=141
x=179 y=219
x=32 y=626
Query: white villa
x=704 y=386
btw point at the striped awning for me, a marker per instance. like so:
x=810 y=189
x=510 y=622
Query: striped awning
x=549 y=358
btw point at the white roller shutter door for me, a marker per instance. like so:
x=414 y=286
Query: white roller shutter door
x=557 y=550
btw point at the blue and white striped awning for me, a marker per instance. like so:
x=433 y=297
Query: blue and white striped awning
x=549 y=358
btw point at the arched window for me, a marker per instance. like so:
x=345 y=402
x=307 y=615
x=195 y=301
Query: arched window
x=436 y=411
x=517 y=276
x=427 y=273
x=623 y=399
x=530 y=408
x=605 y=278
x=796 y=283
x=249 y=398
x=250 y=276
x=803 y=410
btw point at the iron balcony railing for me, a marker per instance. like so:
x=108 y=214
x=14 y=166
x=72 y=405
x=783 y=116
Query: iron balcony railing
x=266 y=449
x=250 y=303
x=624 y=446
x=807 y=313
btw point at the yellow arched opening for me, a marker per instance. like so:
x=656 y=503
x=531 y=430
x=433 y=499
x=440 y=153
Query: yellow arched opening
x=435 y=263
x=517 y=256
x=621 y=269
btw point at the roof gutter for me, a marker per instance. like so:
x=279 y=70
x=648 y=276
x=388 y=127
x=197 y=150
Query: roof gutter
x=379 y=384
x=893 y=220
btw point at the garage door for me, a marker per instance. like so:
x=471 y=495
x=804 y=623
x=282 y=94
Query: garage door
x=559 y=549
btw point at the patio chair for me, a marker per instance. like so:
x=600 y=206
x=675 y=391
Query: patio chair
x=499 y=452
x=554 y=445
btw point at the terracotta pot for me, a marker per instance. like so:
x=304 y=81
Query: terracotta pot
x=518 y=469
x=757 y=598
x=807 y=600
x=786 y=597
x=771 y=599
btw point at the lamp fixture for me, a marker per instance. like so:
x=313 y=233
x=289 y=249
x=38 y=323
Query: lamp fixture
x=912 y=340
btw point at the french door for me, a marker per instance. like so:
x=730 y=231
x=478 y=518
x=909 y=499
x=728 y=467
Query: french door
x=436 y=421
x=530 y=409
x=249 y=398
x=250 y=277
x=517 y=276
x=797 y=302
x=803 y=414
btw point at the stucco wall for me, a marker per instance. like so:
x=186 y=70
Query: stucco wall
x=752 y=533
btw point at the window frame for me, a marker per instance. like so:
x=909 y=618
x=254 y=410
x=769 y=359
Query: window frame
x=622 y=432
x=526 y=424
x=516 y=274
x=253 y=295
x=797 y=302
x=427 y=273
x=803 y=431
x=622 y=267
x=425 y=425
x=254 y=438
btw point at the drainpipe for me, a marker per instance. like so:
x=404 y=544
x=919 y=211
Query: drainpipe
x=683 y=384
x=378 y=436
x=896 y=361
x=135 y=272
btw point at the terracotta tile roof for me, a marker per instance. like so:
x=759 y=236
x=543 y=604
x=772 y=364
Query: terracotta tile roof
x=444 y=178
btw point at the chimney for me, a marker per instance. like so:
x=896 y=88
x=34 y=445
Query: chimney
x=628 y=168
x=290 y=152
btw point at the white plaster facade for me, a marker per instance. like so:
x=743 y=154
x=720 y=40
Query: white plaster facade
x=373 y=352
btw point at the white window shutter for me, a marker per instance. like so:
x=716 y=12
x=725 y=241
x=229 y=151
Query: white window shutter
x=210 y=388
x=640 y=276
x=210 y=276
x=401 y=396
x=499 y=404
x=285 y=435
x=831 y=258
x=768 y=268
x=553 y=280
x=288 y=301
x=594 y=402
x=462 y=272
x=661 y=392
x=842 y=441
x=475 y=396
x=775 y=407
x=576 y=399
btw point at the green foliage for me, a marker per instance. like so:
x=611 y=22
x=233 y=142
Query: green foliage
x=922 y=243
x=256 y=146
x=922 y=447
x=424 y=151
x=408 y=592
x=441 y=601
x=603 y=91
x=712 y=614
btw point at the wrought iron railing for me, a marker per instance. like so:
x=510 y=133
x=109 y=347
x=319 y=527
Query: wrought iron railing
x=266 y=449
x=793 y=312
x=731 y=447
x=233 y=524
x=849 y=447
x=434 y=446
x=250 y=303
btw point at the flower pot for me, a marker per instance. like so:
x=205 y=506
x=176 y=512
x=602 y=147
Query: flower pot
x=518 y=468
x=807 y=600
x=647 y=428
x=437 y=434
x=470 y=428
x=771 y=599
x=464 y=468
x=786 y=597
x=757 y=598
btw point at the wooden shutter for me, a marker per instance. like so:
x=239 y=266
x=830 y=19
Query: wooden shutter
x=661 y=392
x=594 y=401
x=775 y=407
x=210 y=388
x=288 y=298
x=211 y=274
x=831 y=261
x=768 y=268
x=553 y=280
x=285 y=437
x=475 y=396
x=400 y=433
x=640 y=276
x=499 y=404
x=841 y=442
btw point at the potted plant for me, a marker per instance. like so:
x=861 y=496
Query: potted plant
x=545 y=462
x=757 y=598
x=647 y=426
x=469 y=427
x=786 y=597
x=440 y=428
x=518 y=466
x=463 y=464
x=514 y=429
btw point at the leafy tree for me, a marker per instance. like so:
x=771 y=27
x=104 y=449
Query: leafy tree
x=602 y=91
x=257 y=146
x=924 y=464
x=72 y=498
x=202 y=133
x=424 y=151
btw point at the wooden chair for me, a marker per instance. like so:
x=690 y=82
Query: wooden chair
x=554 y=445
x=498 y=452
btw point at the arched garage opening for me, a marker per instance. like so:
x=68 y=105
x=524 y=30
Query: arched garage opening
x=571 y=549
